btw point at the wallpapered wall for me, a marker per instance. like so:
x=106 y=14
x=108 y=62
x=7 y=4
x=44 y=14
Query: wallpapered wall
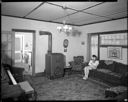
x=75 y=47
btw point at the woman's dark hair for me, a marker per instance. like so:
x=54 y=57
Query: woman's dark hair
x=95 y=57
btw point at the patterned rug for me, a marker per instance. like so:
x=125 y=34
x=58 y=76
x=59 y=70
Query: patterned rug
x=71 y=87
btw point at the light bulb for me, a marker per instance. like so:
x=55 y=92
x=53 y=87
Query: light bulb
x=59 y=29
x=70 y=28
x=65 y=27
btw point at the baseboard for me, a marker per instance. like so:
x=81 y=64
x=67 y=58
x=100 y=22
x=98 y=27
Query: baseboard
x=40 y=74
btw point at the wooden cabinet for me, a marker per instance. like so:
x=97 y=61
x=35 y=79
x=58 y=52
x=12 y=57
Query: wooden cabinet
x=54 y=65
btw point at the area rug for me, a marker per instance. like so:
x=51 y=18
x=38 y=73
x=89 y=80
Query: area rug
x=71 y=87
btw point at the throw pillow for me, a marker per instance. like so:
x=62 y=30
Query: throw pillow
x=120 y=68
x=111 y=67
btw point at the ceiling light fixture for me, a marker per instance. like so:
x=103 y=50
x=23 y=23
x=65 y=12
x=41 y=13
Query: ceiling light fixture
x=67 y=29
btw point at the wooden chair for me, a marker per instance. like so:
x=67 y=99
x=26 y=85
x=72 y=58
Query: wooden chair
x=77 y=64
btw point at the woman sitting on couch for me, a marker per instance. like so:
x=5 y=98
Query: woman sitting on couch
x=93 y=63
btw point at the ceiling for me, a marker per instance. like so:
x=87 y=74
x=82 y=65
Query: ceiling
x=77 y=13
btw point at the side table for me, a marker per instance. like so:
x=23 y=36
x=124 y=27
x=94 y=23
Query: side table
x=67 y=70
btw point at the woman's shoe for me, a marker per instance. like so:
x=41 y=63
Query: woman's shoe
x=84 y=78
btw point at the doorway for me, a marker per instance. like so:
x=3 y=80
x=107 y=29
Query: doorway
x=24 y=53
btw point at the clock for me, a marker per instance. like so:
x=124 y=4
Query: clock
x=65 y=44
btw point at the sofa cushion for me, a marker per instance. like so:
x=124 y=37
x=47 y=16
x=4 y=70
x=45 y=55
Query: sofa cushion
x=111 y=67
x=115 y=74
x=105 y=76
x=104 y=70
x=108 y=62
x=101 y=65
x=109 y=72
x=120 y=68
x=97 y=73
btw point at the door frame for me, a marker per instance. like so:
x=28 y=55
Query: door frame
x=33 y=44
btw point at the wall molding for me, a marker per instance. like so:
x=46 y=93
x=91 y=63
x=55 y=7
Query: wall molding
x=109 y=32
x=114 y=46
x=67 y=23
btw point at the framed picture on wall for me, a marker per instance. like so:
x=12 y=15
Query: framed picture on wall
x=115 y=52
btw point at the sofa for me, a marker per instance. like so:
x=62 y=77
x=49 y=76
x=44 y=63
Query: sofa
x=110 y=72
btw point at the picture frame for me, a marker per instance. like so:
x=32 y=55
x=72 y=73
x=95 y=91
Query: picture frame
x=65 y=43
x=115 y=52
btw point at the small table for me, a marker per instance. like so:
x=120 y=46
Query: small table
x=67 y=70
